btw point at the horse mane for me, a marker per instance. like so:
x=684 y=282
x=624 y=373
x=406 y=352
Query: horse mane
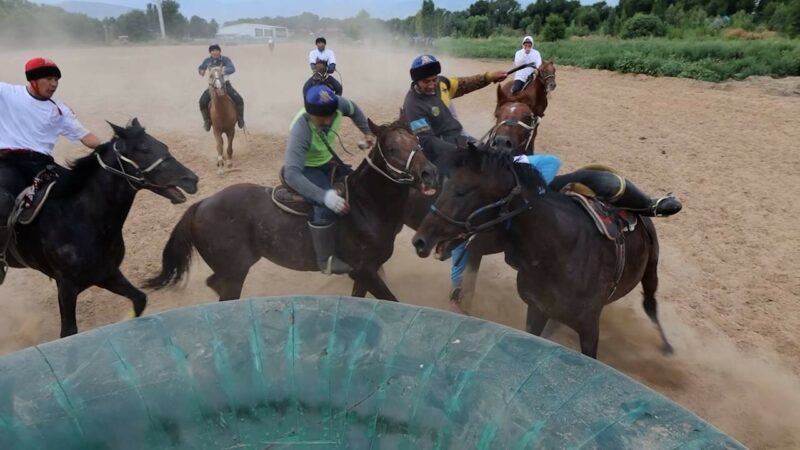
x=482 y=159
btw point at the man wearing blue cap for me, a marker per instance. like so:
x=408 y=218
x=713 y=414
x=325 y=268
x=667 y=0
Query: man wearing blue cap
x=428 y=106
x=309 y=161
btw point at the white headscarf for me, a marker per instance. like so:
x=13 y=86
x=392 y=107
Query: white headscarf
x=526 y=39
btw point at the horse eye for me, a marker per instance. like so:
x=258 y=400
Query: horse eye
x=462 y=192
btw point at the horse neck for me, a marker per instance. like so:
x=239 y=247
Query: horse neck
x=540 y=97
x=371 y=190
x=110 y=197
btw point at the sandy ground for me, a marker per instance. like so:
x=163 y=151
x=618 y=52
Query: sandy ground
x=729 y=269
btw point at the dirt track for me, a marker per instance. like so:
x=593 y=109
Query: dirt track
x=730 y=286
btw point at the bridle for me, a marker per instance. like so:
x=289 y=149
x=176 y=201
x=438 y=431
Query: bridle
x=503 y=204
x=530 y=128
x=214 y=76
x=137 y=176
x=404 y=175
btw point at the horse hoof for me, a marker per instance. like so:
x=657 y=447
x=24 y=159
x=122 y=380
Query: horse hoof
x=455 y=307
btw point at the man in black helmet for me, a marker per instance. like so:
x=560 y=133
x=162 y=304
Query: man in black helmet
x=324 y=55
x=215 y=60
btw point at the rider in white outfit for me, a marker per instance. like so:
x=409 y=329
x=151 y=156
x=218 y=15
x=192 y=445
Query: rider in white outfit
x=526 y=55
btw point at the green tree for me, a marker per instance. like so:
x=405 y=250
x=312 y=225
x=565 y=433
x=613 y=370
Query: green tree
x=426 y=20
x=477 y=26
x=642 y=25
x=588 y=17
x=136 y=25
x=555 y=28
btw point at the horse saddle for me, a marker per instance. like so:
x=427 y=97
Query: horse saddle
x=610 y=221
x=291 y=202
x=30 y=201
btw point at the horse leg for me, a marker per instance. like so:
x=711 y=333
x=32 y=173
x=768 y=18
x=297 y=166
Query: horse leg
x=230 y=135
x=359 y=288
x=535 y=320
x=229 y=285
x=67 y=299
x=118 y=284
x=650 y=285
x=373 y=283
x=589 y=334
x=220 y=158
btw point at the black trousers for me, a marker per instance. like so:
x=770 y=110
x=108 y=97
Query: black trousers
x=17 y=172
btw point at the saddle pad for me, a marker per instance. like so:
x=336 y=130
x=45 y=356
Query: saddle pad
x=30 y=201
x=288 y=200
x=610 y=221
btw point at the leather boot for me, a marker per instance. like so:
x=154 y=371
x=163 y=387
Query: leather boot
x=5 y=238
x=206 y=118
x=240 y=114
x=324 y=239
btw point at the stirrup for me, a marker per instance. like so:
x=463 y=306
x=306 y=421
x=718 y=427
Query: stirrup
x=657 y=203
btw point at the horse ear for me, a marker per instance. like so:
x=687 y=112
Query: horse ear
x=501 y=95
x=375 y=128
x=135 y=123
x=118 y=130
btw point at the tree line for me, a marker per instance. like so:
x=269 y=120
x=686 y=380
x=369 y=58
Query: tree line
x=557 y=19
x=26 y=23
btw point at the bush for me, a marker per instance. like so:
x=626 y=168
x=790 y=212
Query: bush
x=554 y=28
x=477 y=26
x=642 y=25
x=577 y=30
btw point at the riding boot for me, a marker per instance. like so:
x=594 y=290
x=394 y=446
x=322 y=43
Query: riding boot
x=240 y=114
x=206 y=119
x=324 y=239
x=5 y=237
x=635 y=200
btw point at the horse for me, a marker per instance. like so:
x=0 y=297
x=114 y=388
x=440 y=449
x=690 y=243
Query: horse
x=223 y=116
x=239 y=225
x=321 y=76
x=77 y=237
x=516 y=123
x=567 y=270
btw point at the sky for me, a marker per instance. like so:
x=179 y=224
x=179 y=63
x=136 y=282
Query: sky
x=223 y=10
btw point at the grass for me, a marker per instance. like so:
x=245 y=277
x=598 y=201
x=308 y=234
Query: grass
x=713 y=59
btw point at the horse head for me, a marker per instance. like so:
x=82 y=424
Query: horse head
x=515 y=125
x=216 y=79
x=484 y=189
x=398 y=156
x=546 y=75
x=147 y=163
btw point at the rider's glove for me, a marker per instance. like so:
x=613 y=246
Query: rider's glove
x=335 y=202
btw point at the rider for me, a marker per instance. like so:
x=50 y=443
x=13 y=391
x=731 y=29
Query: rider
x=31 y=121
x=431 y=115
x=326 y=55
x=310 y=159
x=526 y=55
x=428 y=107
x=216 y=59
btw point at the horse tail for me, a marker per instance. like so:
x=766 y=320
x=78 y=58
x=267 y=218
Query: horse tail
x=177 y=255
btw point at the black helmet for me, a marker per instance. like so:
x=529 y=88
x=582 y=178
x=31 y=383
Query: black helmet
x=321 y=39
x=214 y=47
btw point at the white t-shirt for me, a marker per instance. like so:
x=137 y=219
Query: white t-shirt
x=325 y=55
x=28 y=123
x=521 y=58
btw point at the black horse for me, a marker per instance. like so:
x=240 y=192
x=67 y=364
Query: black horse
x=77 y=237
x=567 y=270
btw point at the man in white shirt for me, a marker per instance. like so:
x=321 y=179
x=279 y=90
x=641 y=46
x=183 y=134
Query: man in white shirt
x=526 y=55
x=31 y=121
x=319 y=55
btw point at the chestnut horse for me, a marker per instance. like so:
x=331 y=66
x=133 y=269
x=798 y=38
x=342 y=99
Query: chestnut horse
x=223 y=116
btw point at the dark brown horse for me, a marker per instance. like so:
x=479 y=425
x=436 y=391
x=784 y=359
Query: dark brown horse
x=567 y=270
x=240 y=224
x=77 y=238
x=514 y=132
